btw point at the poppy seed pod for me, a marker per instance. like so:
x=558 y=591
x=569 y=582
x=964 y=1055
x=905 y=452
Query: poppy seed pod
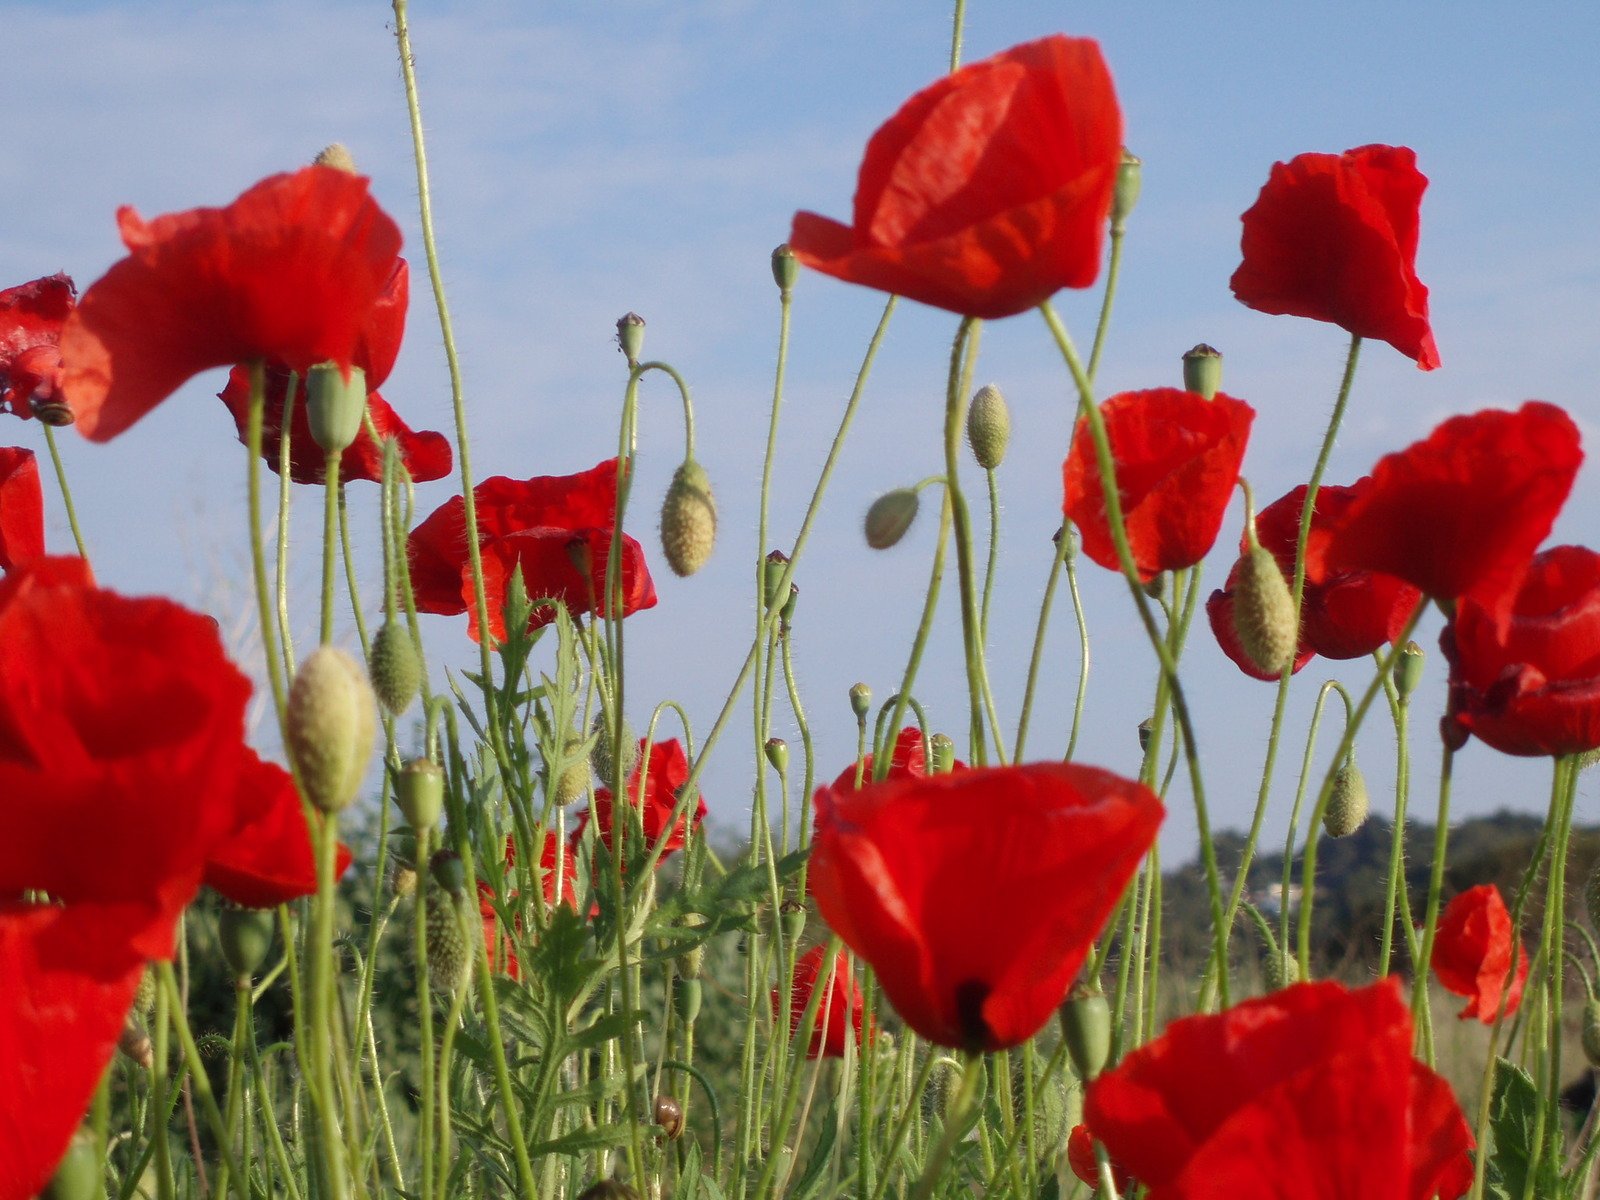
x=630 y=336
x=1263 y=611
x=245 y=935
x=890 y=516
x=419 y=793
x=785 y=268
x=1202 y=370
x=688 y=519
x=336 y=156
x=777 y=751
x=335 y=403
x=860 y=700
x=988 y=427
x=77 y=1175
x=1408 y=672
x=395 y=666
x=331 y=722
x=1126 y=193
x=1348 y=806
x=792 y=917
x=1086 y=1028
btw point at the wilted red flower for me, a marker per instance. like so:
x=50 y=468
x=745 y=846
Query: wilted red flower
x=31 y=317
x=1460 y=513
x=1177 y=457
x=1334 y=237
x=840 y=1006
x=1080 y=1157
x=1343 y=614
x=975 y=895
x=267 y=859
x=21 y=508
x=550 y=526
x=1472 y=953
x=988 y=191
x=1306 y=1093
x=289 y=272
x=653 y=788
x=1533 y=687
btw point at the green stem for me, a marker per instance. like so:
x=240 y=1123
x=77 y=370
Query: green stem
x=990 y=560
x=1441 y=842
x=1400 y=711
x=258 y=560
x=66 y=492
x=199 y=1080
x=954 y=1127
x=330 y=538
x=1308 y=868
x=1036 y=657
x=330 y=1142
x=285 y=478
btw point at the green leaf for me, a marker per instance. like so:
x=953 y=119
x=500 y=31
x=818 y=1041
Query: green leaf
x=811 y=1182
x=1513 y=1118
x=582 y=1140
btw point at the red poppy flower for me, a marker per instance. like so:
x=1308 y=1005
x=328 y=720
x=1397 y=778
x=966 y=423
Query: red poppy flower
x=909 y=760
x=1461 y=512
x=1472 y=953
x=840 y=1006
x=556 y=528
x=653 y=787
x=988 y=191
x=1343 y=614
x=975 y=895
x=1533 y=687
x=21 y=508
x=1307 y=1093
x=1177 y=457
x=1334 y=237
x=550 y=865
x=31 y=317
x=289 y=272
x=1080 y=1157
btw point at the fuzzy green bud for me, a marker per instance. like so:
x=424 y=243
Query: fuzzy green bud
x=330 y=726
x=1126 y=193
x=1408 y=671
x=1349 y=804
x=600 y=757
x=690 y=963
x=449 y=949
x=943 y=753
x=777 y=751
x=792 y=917
x=395 y=666
x=449 y=872
x=245 y=935
x=785 y=268
x=988 y=427
x=688 y=519
x=1202 y=370
x=335 y=404
x=772 y=569
x=1281 y=970
x=419 y=792
x=336 y=156
x=144 y=998
x=570 y=773
x=630 y=337
x=686 y=997
x=890 y=516
x=77 y=1175
x=860 y=700
x=1086 y=1027
x=1263 y=611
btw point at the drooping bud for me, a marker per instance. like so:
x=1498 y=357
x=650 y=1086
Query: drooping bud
x=688 y=519
x=772 y=569
x=331 y=722
x=1126 y=193
x=777 y=751
x=245 y=935
x=449 y=950
x=669 y=1115
x=988 y=427
x=943 y=754
x=1348 y=805
x=1281 y=970
x=1155 y=587
x=419 y=792
x=1202 y=370
x=1591 y=1031
x=1146 y=730
x=600 y=756
x=890 y=516
x=785 y=270
x=1408 y=671
x=77 y=1175
x=860 y=700
x=792 y=916
x=395 y=666
x=1086 y=1027
x=335 y=404
x=630 y=337
x=1263 y=611
x=337 y=157
x=572 y=783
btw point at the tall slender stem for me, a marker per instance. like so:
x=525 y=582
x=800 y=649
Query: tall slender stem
x=66 y=492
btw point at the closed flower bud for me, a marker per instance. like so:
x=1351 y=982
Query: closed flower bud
x=402 y=878
x=1263 y=611
x=890 y=516
x=860 y=700
x=688 y=519
x=144 y=999
x=600 y=758
x=449 y=951
x=792 y=916
x=337 y=157
x=943 y=753
x=1126 y=193
x=669 y=1115
x=335 y=404
x=245 y=935
x=1591 y=1031
x=572 y=783
x=777 y=751
x=331 y=723
x=1086 y=1028
x=1408 y=672
x=1282 y=970
x=772 y=569
x=1146 y=728
x=686 y=997
x=419 y=792
x=1202 y=370
x=630 y=337
x=1348 y=806
x=77 y=1175
x=395 y=666
x=785 y=270
x=988 y=427
x=449 y=872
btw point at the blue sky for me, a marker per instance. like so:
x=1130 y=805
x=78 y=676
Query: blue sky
x=589 y=160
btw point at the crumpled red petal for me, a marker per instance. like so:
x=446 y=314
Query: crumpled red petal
x=21 y=508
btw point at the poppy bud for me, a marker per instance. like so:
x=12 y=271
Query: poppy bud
x=1202 y=370
x=1348 y=806
x=686 y=996
x=890 y=516
x=600 y=756
x=1071 y=550
x=245 y=935
x=772 y=569
x=1126 y=194
x=608 y=1189
x=1263 y=611
x=573 y=782
x=419 y=792
x=688 y=519
x=144 y=999
x=1086 y=1027
x=1281 y=970
x=330 y=726
x=792 y=915
x=449 y=952
x=77 y=1175
x=860 y=700
x=988 y=427
x=337 y=157
x=1591 y=1031
x=449 y=872
x=1452 y=732
x=51 y=411
x=402 y=878
x=943 y=753
x=395 y=666
x=335 y=404
x=777 y=751
x=1408 y=672
x=1146 y=728
x=1155 y=585
x=669 y=1115
x=630 y=336
x=134 y=1043
x=785 y=270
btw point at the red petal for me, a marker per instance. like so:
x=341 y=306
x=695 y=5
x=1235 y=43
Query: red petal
x=21 y=508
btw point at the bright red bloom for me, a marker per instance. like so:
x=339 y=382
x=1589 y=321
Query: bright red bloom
x=840 y=1006
x=1460 y=513
x=1533 y=687
x=21 y=508
x=1343 y=614
x=1177 y=457
x=1080 y=1157
x=289 y=272
x=975 y=895
x=549 y=865
x=556 y=528
x=988 y=191
x=31 y=317
x=1472 y=953
x=909 y=760
x=1305 y=1094
x=653 y=788
x=1334 y=237
x=267 y=859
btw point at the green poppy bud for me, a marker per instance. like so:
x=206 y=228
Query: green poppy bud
x=600 y=757
x=144 y=999
x=1348 y=806
x=687 y=994
x=792 y=917
x=630 y=337
x=246 y=938
x=449 y=949
x=785 y=269
x=1263 y=611
x=860 y=700
x=1126 y=193
x=575 y=772
x=419 y=792
x=395 y=666
x=890 y=516
x=337 y=157
x=988 y=427
x=1281 y=970
x=335 y=404
x=943 y=753
x=77 y=1175
x=772 y=569
x=688 y=520
x=1408 y=671
x=449 y=872
x=331 y=723
x=1086 y=1027
x=1202 y=370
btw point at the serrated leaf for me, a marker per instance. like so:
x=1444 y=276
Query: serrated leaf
x=810 y=1183
x=1513 y=1118
x=582 y=1140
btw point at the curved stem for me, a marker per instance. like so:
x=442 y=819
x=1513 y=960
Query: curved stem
x=66 y=492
